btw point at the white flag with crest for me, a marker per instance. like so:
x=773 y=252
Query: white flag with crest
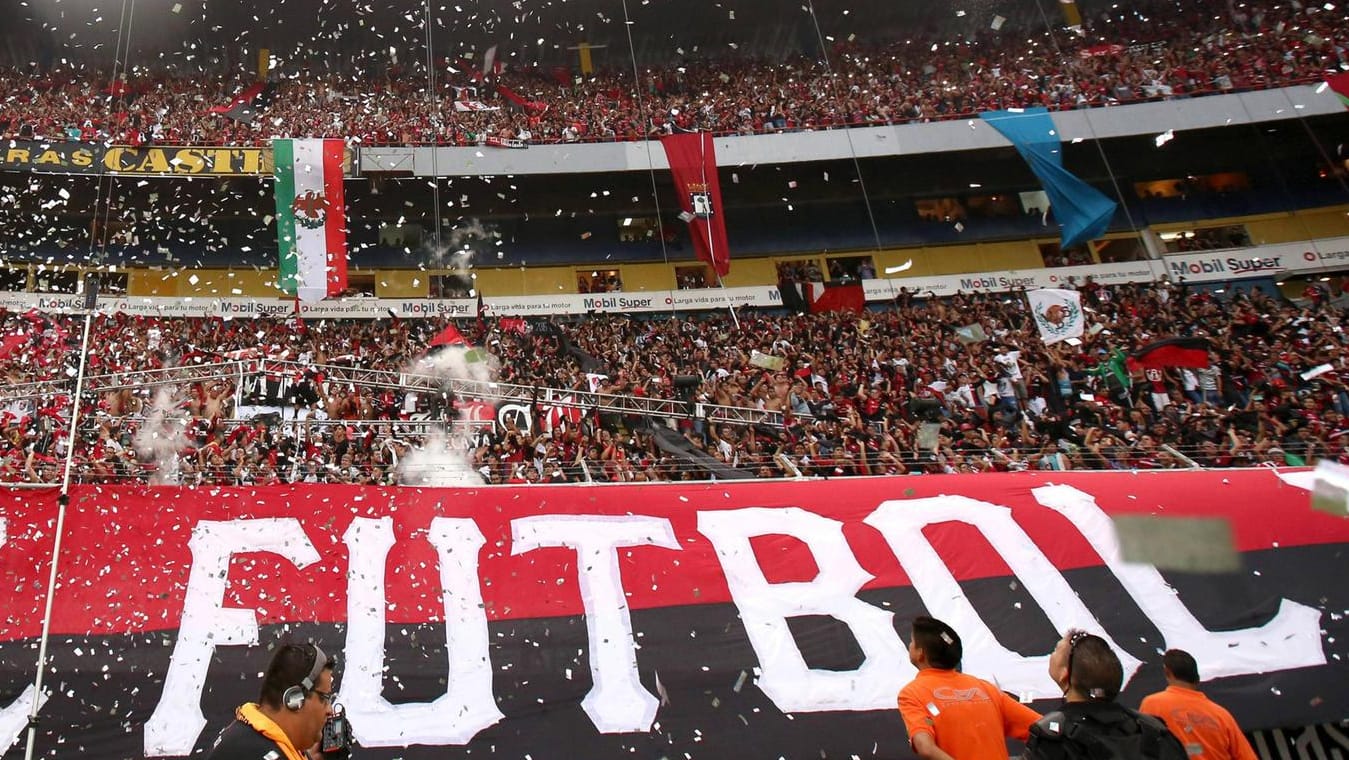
x=1058 y=314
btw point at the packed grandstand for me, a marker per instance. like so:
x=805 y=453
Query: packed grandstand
x=901 y=389
x=1117 y=57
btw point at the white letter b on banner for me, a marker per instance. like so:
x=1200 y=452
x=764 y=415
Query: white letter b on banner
x=764 y=608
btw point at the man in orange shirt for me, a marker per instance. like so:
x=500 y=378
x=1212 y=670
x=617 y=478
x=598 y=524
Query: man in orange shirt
x=1203 y=726
x=952 y=716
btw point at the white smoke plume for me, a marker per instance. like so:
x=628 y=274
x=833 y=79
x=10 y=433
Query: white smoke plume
x=470 y=231
x=441 y=462
x=460 y=246
x=443 y=459
x=162 y=435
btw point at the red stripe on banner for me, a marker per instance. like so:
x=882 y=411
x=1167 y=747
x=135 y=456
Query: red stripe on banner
x=336 y=228
x=126 y=559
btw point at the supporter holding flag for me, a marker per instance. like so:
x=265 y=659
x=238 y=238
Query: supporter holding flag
x=1161 y=395
x=1114 y=369
x=948 y=714
x=450 y=337
x=520 y=101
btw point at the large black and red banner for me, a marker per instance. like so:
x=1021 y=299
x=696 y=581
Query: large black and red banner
x=700 y=621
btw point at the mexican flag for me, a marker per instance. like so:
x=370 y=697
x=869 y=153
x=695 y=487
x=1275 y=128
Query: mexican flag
x=311 y=220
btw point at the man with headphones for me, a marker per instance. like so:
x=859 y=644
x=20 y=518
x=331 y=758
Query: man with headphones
x=1090 y=724
x=286 y=722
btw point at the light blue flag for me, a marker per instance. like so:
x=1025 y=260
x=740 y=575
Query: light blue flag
x=1082 y=210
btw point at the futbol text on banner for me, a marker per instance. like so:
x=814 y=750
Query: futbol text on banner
x=311 y=217
x=693 y=162
x=636 y=621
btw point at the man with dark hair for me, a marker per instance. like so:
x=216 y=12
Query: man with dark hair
x=1090 y=724
x=1207 y=731
x=286 y=722
x=949 y=714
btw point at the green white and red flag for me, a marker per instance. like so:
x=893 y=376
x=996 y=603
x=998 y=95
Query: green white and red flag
x=311 y=220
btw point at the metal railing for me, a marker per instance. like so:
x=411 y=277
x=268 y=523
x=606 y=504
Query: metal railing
x=482 y=390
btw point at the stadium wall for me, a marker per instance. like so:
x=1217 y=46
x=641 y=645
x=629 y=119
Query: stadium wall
x=870 y=142
x=988 y=248
x=1306 y=226
x=1299 y=225
x=1305 y=259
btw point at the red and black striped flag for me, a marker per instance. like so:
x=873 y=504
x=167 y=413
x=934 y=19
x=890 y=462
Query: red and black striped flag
x=1173 y=352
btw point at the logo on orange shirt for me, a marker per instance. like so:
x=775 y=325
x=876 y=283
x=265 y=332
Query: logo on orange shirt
x=950 y=694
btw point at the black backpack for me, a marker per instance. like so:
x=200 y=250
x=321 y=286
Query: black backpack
x=1123 y=734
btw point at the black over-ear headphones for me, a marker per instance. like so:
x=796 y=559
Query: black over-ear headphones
x=1074 y=638
x=294 y=697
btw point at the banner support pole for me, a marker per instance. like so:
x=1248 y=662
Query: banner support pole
x=730 y=306
x=62 y=502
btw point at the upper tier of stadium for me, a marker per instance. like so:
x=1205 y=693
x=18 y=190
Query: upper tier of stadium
x=927 y=74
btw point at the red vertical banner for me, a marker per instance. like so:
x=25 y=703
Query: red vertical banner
x=335 y=234
x=693 y=162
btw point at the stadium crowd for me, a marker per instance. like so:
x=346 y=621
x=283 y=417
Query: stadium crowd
x=905 y=388
x=1210 y=47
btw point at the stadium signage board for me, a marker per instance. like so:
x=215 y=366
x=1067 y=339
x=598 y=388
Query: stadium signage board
x=1323 y=254
x=383 y=308
x=1007 y=281
x=648 y=621
x=1207 y=267
x=137 y=161
x=1331 y=254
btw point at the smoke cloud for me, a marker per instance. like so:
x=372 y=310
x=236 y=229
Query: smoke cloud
x=162 y=435
x=443 y=458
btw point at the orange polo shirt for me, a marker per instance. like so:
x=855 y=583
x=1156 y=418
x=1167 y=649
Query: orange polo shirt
x=969 y=719
x=1202 y=725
